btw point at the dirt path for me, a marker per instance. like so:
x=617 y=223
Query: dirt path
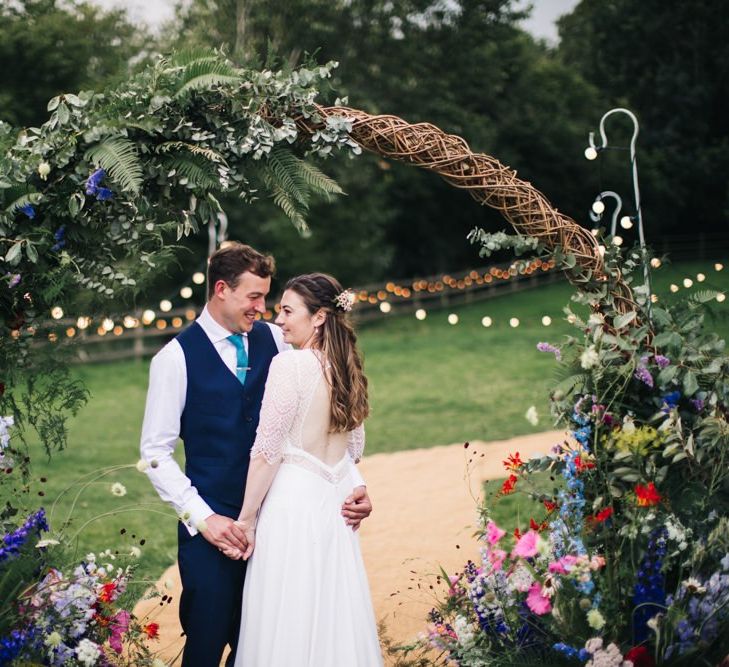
x=424 y=516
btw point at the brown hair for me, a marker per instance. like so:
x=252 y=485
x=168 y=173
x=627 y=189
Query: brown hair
x=233 y=259
x=337 y=340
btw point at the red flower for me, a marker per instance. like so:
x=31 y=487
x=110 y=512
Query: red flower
x=580 y=465
x=107 y=592
x=517 y=533
x=640 y=657
x=508 y=486
x=647 y=495
x=604 y=515
x=513 y=463
x=549 y=505
x=539 y=527
x=151 y=630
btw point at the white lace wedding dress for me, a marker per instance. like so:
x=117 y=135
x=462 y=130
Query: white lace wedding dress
x=306 y=600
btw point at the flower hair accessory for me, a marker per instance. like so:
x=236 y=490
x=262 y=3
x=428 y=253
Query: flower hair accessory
x=345 y=300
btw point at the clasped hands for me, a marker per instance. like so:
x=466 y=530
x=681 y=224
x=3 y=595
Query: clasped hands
x=236 y=538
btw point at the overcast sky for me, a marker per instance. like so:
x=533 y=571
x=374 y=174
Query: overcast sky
x=540 y=24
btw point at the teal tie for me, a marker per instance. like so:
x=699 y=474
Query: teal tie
x=241 y=357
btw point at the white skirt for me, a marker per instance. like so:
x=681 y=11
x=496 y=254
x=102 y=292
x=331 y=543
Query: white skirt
x=306 y=600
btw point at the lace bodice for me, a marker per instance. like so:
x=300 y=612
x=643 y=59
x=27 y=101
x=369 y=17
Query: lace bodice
x=295 y=415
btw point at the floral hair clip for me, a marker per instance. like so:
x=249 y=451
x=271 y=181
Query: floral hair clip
x=345 y=300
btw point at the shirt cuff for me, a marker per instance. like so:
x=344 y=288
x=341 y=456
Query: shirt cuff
x=194 y=513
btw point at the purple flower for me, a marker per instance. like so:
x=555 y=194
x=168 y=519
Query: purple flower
x=60 y=236
x=546 y=347
x=14 y=280
x=661 y=361
x=12 y=542
x=28 y=210
x=698 y=404
x=643 y=374
x=103 y=194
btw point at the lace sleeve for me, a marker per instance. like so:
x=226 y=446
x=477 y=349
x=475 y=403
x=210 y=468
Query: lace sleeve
x=278 y=410
x=356 y=443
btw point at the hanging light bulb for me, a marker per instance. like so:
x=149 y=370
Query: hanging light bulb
x=700 y=277
x=546 y=320
x=687 y=282
x=420 y=314
x=186 y=292
x=487 y=321
x=165 y=306
x=656 y=263
x=718 y=266
x=674 y=288
x=617 y=240
x=452 y=318
x=626 y=222
x=198 y=278
x=598 y=206
x=148 y=316
x=720 y=297
x=107 y=324
x=385 y=307
x=590 y=152
x=514 y=322
x=83 y=322
x=57 y=312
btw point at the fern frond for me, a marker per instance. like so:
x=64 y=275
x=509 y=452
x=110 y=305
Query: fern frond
x=186 y=57
x=702 y=296
x=317 y=180
x=205 y=74
x=19 y=196
x=291 y=208
x=283 y=168
x=119 y=158
x=207 y=153
x=195 y=168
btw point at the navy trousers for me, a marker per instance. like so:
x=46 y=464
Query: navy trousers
x=210 y=604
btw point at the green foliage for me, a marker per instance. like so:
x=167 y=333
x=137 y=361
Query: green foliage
x=118 y=156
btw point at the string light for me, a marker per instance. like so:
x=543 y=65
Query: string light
x=165 y=305
x=598 y=207
x=656 y=263
x=148 y=317
x=385 y=306
x=687 y=282
x=186 y=292
x=190 y=315
x=546 y=320
x=177 y=322
x=53 y=337
x=420 y=314
x=487 y=321
x=514 y=322
x=70 y=332
x=452 y=318
x=590 y=153
x=654 y=298
x=626 y=222
x=700 y=277
x=720 y=297
x=198 y=278
x=83 y=322
x=107 y=324
x=718 y=266
x=118 y=330
x=57 y=312
x=161 y=324
x=617 y=240
x=101 y=331
x=674 y=288
x=131 y=322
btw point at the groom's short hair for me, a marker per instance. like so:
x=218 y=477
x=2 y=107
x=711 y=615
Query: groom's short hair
x=234 y=259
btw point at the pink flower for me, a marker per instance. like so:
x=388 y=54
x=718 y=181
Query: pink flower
x=563 y=565
x=493 y=533
x=526 y=547
x=119 y=625
x=496 y=558
x=538 y=603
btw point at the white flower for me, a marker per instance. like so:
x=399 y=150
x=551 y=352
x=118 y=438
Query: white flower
x=595 y=619
x=693 y=585
x=90 y=557
x=464 y=631
x=43 y=170
x=118 y=489
x=628 y=425
x=5 y=422
x=135 y=552
x=41 y=544
x=142 y=465
x=87 y=652
x=532 y=416
x=589 y=358
x=53 y=640
x=521 y=579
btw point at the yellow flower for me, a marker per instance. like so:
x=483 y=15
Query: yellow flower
x=118 y=489
x=595 y=619
x=53 y=640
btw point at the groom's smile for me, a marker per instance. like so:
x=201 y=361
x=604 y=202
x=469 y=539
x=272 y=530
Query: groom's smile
x=236 y=307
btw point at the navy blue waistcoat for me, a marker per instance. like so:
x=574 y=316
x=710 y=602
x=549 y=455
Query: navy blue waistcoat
x=220 y=418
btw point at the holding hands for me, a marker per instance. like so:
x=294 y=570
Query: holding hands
x=233 y=538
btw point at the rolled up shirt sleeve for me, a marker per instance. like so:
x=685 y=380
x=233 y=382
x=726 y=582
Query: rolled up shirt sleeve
x=160 y=435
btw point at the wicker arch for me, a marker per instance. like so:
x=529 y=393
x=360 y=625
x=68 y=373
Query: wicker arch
x=487 y=180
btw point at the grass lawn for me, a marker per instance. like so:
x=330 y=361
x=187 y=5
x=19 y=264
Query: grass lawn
x=431 y=383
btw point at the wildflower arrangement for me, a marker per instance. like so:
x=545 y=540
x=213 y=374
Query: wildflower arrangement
x=630 y=563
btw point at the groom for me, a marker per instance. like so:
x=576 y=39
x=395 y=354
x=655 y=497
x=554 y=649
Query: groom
x=206 y=387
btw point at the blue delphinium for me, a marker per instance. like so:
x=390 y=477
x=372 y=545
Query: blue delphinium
x=15 y=644
x=60 y=237
x=649 y=595
x=671 y=400
x=13 y=541
x=94 y=187
x=28 y=210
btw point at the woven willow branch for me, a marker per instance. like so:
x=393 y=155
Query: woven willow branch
x=487 y=181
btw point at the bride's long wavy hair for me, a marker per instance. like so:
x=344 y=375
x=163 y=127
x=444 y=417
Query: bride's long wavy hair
x=338 y=343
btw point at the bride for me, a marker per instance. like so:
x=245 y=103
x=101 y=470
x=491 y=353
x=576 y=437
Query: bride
x=306 y=600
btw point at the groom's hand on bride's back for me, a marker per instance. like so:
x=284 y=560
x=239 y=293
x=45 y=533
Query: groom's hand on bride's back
x=357 y=506
x=224 y=533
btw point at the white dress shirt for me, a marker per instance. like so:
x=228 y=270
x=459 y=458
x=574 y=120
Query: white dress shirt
x=165 y=404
